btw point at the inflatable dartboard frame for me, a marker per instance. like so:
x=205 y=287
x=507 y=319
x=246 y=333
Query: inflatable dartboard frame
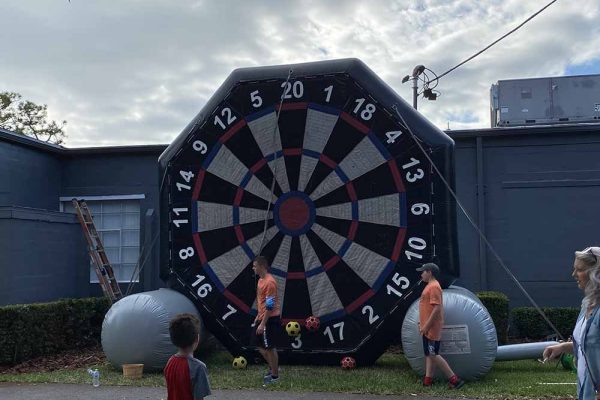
x=354 y=207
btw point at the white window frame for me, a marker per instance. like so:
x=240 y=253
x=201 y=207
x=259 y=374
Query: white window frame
x=64 y=199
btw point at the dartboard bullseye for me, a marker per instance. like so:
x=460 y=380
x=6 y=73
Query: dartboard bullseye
x=294 y=213
x=310 y=166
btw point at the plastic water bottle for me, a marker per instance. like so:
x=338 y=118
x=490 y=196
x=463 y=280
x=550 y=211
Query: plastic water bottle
x=95 y=377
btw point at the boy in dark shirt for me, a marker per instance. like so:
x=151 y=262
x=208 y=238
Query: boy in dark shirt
x=186 y=376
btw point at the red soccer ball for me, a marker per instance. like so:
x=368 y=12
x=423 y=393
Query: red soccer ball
x=312 y=323
x=348 y=363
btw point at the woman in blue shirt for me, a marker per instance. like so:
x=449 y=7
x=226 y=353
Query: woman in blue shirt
x=586 y=335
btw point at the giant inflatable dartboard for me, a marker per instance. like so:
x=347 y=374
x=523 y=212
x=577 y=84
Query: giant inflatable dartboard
x=354 y=207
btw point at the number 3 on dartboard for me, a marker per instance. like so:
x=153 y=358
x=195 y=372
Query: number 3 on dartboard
x=297 y=342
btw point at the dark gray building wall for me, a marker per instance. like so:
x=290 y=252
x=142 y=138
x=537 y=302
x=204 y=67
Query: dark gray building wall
x=121 y=173
x=534 y=191
x=36 y=174
x=535 y=194
x=42 y=256
x=29 y=177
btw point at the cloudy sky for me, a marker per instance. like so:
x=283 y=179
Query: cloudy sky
x=137 y=71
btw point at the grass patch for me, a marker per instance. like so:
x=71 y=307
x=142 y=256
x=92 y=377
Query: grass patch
x=390 y=375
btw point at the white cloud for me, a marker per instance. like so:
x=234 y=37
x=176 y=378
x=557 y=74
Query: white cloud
x=138 y=71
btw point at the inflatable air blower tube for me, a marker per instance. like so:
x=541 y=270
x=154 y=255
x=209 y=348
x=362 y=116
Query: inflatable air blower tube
x=522 y=351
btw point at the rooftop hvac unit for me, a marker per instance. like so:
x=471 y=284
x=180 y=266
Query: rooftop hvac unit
x=543 y=101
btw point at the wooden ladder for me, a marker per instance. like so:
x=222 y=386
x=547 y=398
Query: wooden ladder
x=104 y=271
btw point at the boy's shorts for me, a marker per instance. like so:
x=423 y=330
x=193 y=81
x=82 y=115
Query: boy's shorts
x=431 y=347
x=267 y=339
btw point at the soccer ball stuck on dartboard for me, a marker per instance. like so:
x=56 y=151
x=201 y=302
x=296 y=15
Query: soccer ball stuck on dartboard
x=293 y=328
x=312 y=323
x=239 y=363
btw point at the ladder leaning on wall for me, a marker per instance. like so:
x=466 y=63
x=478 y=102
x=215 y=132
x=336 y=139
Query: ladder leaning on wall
x=104 y=271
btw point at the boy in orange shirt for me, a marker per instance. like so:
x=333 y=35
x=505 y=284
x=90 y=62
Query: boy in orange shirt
x=431 y=321
x=267 y=321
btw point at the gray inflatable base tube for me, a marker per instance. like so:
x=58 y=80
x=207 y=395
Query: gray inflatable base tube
x=523 y=351
x=466 y=292
x=469 y=341
x=136 y=328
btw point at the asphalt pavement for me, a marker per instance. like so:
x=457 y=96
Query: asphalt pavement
x=14 y=391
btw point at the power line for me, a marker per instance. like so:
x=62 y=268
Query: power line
x=481 y=51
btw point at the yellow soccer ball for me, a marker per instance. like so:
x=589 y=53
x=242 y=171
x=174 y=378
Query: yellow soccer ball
x=239 y=363
x=293 y=328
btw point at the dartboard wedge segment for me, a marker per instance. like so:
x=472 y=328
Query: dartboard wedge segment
x=311 y=166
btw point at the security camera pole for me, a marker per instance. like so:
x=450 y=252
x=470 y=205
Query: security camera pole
x=418 y=70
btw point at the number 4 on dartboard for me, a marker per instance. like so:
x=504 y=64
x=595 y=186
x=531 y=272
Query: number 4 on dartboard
x=392 y=136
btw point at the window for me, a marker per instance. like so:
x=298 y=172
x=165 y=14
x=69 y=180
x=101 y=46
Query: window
x=118 y=224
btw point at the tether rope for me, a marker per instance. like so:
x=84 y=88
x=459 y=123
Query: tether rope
x=481 y=234
x=274 y=169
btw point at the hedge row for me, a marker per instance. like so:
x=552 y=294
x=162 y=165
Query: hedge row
x=497 y=305
x=32 y=330
x=530 y=324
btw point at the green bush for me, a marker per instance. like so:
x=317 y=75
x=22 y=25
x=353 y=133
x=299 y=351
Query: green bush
x=32 y=330
x=497 y=305
x=530 y=324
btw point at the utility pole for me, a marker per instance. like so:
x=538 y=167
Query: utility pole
x=415 y=89
x=428 y=92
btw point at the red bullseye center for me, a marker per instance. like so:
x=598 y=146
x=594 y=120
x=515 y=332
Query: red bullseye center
x=294 y=213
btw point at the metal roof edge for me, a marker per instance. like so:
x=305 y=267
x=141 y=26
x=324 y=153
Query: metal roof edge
x=9 y=136
x=29 y=141
x=525 y=130
x=144 y=148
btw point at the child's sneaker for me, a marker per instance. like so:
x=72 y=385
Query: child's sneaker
x=455 y=382
x=427 y=381
x=269 y=380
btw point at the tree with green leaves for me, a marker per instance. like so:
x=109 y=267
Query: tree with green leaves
x=27 y=118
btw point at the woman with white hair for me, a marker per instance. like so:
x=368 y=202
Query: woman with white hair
x=586 y=335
